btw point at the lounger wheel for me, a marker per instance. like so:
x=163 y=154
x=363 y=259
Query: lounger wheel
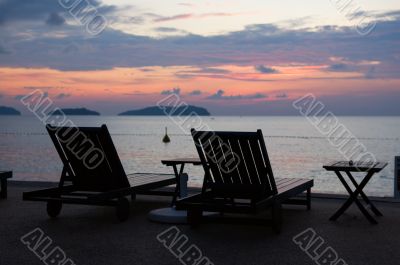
x=54 y=208
x=122 y=209
x=277 y=217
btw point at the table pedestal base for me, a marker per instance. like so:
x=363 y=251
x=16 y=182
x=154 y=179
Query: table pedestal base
x=172 y=216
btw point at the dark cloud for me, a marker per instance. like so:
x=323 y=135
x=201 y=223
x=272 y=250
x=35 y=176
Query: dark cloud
x=220 y=95
x=339 y=67
x=3 y=50
x=281 y=95
x=190 y=15
x=14 y=10
x=42 y=10
x=71 y=49
x=371 y=73
x=196 y=92
x=254 y=45
x=55 y=20
x=378 y=104
x=19 y=97
x=205 y=71
x=213 y=70
x=176 y=91
x=176 y=17
x=63 y=96
x=265 y=70
x=166 y=30
x=145 y=70
x=38 y=87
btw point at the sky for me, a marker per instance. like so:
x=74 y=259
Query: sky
x=252 y=57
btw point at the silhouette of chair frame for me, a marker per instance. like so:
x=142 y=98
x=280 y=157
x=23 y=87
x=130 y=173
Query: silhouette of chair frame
x=104 y=185
x=246 y=186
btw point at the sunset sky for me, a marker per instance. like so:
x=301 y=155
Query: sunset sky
x=233 y=57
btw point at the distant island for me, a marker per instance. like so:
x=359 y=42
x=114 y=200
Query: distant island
x=9 y=111
x=167 y=110
x=76 y=112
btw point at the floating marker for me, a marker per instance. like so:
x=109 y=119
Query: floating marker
x=166 y=137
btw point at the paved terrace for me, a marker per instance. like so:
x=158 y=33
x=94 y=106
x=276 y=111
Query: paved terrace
x=92 y=235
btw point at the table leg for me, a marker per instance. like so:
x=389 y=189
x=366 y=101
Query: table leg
x=354 y=198
x=308 y=196
x=178 y=182
x=365 y=198
x=3 y=191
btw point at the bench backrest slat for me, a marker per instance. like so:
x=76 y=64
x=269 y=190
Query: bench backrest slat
x=236 y=164
x=89 y=157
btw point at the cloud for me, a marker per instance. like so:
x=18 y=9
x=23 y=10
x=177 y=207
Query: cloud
x=55 y=20
x=204 y=71
x=190 y=15
x=176 y=91
x=71 y=49
x=41 y=10
x=254 y=45
x=166 y=30
x=281 y=95
x=196 y=92
x=265 y=70
x=371 y=73
x=63 y=96
x=38 y=87
x=145 y=70
x=339 y=67
x=19 y=97
x=186 y=4
x=220 y=95
x=3 y=50
x=212 y=70
x=171 y=18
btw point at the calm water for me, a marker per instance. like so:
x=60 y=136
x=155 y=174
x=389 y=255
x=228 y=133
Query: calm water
x=295 y=147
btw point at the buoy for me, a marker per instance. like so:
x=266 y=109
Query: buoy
x=166 y=137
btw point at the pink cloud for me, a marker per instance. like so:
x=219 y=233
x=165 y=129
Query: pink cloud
x=188 y=16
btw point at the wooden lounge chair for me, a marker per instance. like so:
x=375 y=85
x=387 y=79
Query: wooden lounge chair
x=239 y=179
x=4 y=176
x=90 y=182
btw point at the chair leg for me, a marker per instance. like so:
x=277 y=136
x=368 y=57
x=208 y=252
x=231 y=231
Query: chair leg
x=308 y=199
x=277 y=217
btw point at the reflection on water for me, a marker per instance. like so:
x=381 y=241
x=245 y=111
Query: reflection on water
x=296 y=149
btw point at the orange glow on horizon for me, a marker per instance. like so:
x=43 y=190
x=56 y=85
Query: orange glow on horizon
x=144 y=85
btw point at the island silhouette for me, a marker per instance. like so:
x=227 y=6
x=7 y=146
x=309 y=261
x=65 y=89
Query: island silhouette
x=75 y=111
x=167 y=111
x=9 y=111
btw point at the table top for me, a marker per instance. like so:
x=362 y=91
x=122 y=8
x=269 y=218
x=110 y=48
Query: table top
x=357 y=166
x=179 y=161
x=6 y=174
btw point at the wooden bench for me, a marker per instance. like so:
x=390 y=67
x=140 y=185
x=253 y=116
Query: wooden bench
x=4 y=176
x=106 y=184
x=239 y=178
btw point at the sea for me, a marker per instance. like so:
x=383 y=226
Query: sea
x=297 y=149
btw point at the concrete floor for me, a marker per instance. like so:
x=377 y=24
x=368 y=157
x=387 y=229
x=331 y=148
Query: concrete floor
x=92 y=235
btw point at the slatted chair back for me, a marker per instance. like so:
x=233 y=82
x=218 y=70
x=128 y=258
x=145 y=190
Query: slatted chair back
x=89 y=157
x=236 y=164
